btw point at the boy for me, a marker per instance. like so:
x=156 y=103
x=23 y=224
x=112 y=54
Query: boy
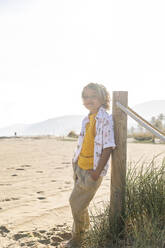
x=90 y=161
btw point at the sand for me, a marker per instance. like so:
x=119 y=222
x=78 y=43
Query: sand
x=35 y=184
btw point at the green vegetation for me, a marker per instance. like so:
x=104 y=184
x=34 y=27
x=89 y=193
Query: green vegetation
x=144 y=220
x=142 y=135
x=72 y=134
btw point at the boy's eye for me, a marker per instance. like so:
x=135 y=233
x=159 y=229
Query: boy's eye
x=89 y=97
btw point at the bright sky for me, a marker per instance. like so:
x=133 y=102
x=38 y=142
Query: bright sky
x=50 y=49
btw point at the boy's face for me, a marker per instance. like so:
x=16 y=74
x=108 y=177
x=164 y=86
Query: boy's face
x=91 y=100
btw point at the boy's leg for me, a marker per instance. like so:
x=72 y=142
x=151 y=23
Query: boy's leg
x=83 y=192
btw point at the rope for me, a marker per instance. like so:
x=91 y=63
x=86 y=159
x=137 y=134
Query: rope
x=149 y=124
x=142 y=121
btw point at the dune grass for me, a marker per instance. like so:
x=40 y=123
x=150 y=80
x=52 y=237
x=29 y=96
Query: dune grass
x=144 y=220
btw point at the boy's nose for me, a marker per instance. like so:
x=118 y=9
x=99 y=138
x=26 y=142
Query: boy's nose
x=89 y=101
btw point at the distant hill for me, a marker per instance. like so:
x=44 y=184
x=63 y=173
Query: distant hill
x=61 y=126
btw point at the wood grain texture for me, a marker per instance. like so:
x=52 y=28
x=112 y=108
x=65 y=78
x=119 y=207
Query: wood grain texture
x=119 y=155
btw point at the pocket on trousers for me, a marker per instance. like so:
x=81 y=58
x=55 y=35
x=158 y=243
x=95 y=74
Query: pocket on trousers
x=89 y=182
x=90 y=178
x=74 y=171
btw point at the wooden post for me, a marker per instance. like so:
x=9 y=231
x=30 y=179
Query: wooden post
x=119 y=156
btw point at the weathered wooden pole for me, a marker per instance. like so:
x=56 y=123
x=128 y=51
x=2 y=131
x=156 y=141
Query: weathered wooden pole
x=119 y=156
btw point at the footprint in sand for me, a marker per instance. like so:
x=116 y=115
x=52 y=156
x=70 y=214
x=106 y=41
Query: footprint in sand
x=53 y=181
x=21 y=235
x=42 y=231
x=67 y=182
x=37 y=234
x=65 y=190
x=14 y=175
x=41 y=198
x=28 y=244
x=65 y=235
x=66 y=187
x=20 y=169
x=3 y=230
x=67 y=164
x=53 y=237
x=26 y=165
x=44 y=241
x=61 y=235
x=39 y=171
x=55 y=240
x=5 y=184
x=10 y=199
x=40 y=192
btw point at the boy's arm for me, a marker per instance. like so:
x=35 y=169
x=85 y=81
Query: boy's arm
x=102 y=162
x=108 y=147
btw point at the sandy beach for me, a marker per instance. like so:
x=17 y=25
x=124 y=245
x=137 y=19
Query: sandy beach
x=35 y=184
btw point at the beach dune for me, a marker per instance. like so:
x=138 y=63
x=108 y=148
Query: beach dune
x=35 y=184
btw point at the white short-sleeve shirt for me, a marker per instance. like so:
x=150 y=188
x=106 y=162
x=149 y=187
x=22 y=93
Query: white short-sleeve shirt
x=104 y=137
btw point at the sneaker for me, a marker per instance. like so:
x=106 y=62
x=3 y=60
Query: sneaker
x=72 y=243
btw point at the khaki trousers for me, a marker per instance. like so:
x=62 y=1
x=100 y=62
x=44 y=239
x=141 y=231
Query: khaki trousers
x=83 y=192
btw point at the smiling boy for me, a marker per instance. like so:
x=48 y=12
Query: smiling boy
x=90 y=161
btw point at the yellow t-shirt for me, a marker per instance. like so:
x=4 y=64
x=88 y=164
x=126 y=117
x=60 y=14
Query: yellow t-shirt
x=85 y=160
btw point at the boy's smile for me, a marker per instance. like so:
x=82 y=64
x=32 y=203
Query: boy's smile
x=91 y=100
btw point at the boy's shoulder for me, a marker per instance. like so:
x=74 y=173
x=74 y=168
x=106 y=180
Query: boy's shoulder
x=85 y=120
x=108 y=118
x=104 y=114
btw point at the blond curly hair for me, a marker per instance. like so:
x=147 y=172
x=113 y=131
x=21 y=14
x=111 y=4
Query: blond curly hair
x=101 y=92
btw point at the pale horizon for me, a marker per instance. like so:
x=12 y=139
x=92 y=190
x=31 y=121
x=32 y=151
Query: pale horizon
x=51 y=49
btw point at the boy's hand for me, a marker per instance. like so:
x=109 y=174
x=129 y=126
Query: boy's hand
x=102 y=162
x=94 y=175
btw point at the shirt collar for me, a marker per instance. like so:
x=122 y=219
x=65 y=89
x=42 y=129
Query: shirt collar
x=98 y=116
x=100 y=112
